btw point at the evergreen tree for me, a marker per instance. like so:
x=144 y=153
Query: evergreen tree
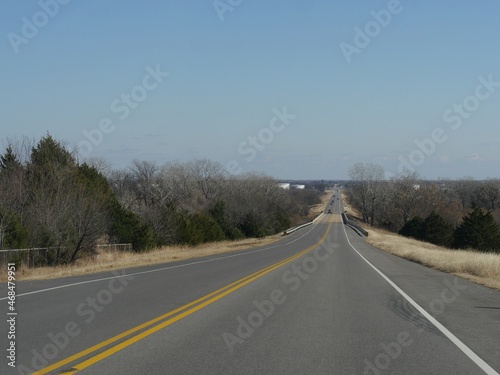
x=127 y=227
x=13 y=235
x=48 y=151
x=9 y=161
x=413 y=228
x=478 y=230
x=436 y=230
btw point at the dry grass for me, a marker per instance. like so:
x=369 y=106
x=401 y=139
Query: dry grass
x=482 y=268
x=351 y=211
x=314 y=210
x=111 y=260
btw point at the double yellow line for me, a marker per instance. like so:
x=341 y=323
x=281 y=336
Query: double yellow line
x=174 y=316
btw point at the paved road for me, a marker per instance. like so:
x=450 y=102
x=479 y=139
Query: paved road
x=320 y=301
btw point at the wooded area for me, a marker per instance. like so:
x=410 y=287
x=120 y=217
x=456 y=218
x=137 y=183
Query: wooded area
x=460 y=213
x=51 y=200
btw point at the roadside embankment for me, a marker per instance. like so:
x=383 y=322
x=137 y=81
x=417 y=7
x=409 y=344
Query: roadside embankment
x=482 y=268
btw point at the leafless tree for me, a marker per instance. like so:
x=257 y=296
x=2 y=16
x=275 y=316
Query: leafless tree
x=208 y=177
x=122 y=183
x=489 y=193
x=144 y=174
x=366 y=189
x=177 y=184
x=407 y=195
x=464 y=189
x=99 y=164
x=88 y=219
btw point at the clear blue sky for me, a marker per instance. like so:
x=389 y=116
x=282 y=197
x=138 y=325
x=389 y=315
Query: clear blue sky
x=229 y=72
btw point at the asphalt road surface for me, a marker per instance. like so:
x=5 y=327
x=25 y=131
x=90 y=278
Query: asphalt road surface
x=320 y=301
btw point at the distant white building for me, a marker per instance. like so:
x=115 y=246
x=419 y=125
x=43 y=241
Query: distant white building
x=299 y=187
x=285 y=186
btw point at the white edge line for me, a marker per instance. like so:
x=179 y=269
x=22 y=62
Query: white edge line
x=464 y=348
x=160 y=269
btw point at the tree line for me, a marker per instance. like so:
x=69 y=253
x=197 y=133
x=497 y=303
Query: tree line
x=49 y=199
x=461 y=213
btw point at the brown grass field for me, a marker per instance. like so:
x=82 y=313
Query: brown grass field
x=479 y=267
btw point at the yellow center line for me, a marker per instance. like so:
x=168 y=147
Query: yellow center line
x=200 y=302
x=139 y=327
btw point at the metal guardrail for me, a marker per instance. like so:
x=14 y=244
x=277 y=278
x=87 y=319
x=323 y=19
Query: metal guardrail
x=291 y=230
x=358 y=229
x=353 y=225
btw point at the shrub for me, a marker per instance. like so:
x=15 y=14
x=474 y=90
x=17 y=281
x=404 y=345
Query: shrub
x=413 y=228
x=478 y=230
x=436 y=230
x=127 y=227
x=198 y=228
